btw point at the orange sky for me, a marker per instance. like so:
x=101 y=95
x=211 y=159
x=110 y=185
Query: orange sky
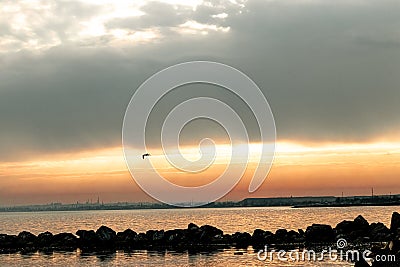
x=298 y=170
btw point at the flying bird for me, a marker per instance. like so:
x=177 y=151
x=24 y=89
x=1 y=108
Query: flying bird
x=145 y=155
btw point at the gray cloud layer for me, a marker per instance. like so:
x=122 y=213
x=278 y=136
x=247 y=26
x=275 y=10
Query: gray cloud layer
x=329 y=70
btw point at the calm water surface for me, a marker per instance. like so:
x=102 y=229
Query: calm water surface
x=229 y=220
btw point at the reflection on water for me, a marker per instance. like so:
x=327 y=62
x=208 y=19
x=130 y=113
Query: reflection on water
x=223 y=258
x=230 y=220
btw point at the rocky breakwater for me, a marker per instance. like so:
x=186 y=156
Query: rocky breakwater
x=380 y=239
x=387 y=255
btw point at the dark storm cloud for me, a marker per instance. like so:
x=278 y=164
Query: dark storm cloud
x=329 y=71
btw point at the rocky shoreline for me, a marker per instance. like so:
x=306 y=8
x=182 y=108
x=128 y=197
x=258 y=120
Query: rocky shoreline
x=377 y=237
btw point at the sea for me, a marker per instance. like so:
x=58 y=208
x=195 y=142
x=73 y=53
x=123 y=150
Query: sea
x=230 y=220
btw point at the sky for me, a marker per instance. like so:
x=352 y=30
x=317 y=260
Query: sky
x=329 y=70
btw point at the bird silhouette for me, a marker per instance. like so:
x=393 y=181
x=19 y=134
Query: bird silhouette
x=145 y=155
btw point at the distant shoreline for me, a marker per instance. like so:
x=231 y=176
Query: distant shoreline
x=295 y=202
x=348 y=205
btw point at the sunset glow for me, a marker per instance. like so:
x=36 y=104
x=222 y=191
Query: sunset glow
x=316 y=170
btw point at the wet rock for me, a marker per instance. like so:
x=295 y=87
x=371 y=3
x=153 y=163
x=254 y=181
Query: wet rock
x=44 y=239
x=155 y=236
x=127 y=236
x=64 y=240
x=8 y=241
x=179 y=238
x=258 y=237
x=26 y=239
x=140 y=240
x=192 y=227
x=221 y=239
x=281 y=236
x=106 y=234
x=301 y=232
x=395 y=222
x=319 y=233
x=361 y=222
x=87 y=238
x=193 y=233
x=353 y=230
x=295 y=237
x=379 y=232
x=208 y=232
x=345 y=227
x=241 y=240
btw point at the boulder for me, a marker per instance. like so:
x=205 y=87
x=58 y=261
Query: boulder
x=395 y=222
x=281 y=236
x=155 y=236
x=361 y=222
x=379 y=232
x=208 y=232
x=89 y=235
x=358 y=224
x=192 y=227
x=319 y=233
x=178 y=238
x=26 y=238
x=258 y=237
x=140 y=240
x=294 y=237
x=127 y=236
x=345 y=227
x=353 y=230
x=301 y=232
x=87 y=238
x=44 y=239
x=106 y=234
x=8 y=241
x=241 y=240
x=64 y=240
